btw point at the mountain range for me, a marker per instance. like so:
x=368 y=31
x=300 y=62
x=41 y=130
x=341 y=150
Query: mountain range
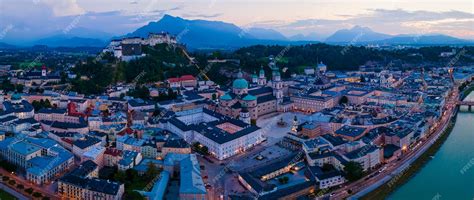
x=204 y=34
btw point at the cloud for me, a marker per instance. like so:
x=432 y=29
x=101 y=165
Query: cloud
x=64 y=7
x=202 y=15
x=397 y=21
x=33 y=19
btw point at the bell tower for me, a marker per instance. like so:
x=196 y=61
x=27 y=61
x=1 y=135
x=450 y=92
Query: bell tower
x=43 y=71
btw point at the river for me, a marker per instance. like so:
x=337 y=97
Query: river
x=450 y=174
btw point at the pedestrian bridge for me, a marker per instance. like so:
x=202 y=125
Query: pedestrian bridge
x=465 y=103
x=469 y=104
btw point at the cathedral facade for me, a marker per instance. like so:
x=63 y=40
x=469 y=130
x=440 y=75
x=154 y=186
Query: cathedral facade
x=250 y=101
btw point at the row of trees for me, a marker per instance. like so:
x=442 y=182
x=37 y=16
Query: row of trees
x=95 y=75
x=198 y=147
x=164 y=62
x=143 y=93
x=21 y=187
x=132 y=180
x=37 y=105
x=7 y=86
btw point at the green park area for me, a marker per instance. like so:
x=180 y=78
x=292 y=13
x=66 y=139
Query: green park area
x=6 y=196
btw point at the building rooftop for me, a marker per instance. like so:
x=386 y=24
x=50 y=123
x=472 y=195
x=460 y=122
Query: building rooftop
x=128 y=157
x=190 y=176
x=350 y=131
x=24 y=148
x=97 y=185
x=84 y=169
x=176 y=143
x=361 y=152
x=86 y=142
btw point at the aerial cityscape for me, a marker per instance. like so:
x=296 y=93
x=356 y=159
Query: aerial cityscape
x=236 y=100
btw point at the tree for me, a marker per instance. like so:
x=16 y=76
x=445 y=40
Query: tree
x=37 y=195
x=151 y=171
x=140 y=92
x=37 y=105
x=214 y=96
x=327 y=167
x=119 y=176
x=253 y=122
x=12 y=182
x=20 y=186
x=133 y=195
x=19 y=88
x=353 y=171
x=5 y=178
x=29 y=190
x=283 y=180
x=198 y=147
x=131 y=174
x=205 y=150
x=7 y=86
x=343 y=100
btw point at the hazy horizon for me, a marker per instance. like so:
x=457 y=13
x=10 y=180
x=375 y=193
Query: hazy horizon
x=34 y=19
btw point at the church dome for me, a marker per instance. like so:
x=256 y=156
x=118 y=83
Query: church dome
x=16 y=97
x=240 y=83
x=226 y=97
x=249 y=97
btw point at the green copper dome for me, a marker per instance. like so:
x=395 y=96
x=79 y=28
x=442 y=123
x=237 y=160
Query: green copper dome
x=16 y=96
x=226 y=97
x=249 y=98
x=240 y=83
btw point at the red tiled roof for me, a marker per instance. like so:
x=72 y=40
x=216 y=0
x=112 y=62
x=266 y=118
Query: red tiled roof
x=173 y=80
x=67 y=140
x=187 y=78
x=113 y=152
x=127 y=131
x=182 y=78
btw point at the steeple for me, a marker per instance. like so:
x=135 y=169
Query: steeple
x=277 y=84
x=43 y=70
x=240 y=74
x=261 y=78
x=254 y=77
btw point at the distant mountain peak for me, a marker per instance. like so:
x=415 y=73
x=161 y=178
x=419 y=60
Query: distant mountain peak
x=171 y=18
x=355 y=35
x=361 y=28
x=265 y=34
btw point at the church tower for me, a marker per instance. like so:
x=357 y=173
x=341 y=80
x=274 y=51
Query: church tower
x=254 y=78
x=43 y=71
x=277 y=85
x=261 y=78
x=294 y=126
x=244 y=115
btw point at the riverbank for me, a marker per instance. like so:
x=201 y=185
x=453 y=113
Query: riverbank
x=401 y=178
x=386 y=189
